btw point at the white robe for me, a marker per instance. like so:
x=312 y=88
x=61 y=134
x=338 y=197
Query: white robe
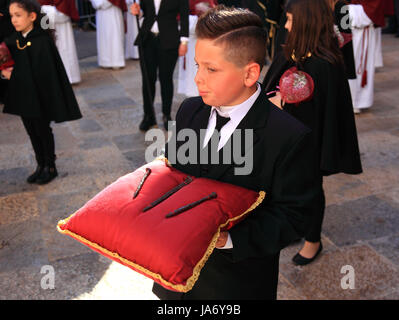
x=186 y=83
x=65 y=42
x=363 y=30
x=110 y=34
x=132 y=51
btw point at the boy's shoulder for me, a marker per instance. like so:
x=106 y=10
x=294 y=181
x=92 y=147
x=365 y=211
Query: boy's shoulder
x=189 y=107
x=285 y=124
x=190 y=103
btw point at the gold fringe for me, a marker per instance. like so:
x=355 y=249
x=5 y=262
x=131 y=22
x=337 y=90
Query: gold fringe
x=197 y=269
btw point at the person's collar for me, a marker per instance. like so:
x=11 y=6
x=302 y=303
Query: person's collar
x=237 y=112
x=26 y=33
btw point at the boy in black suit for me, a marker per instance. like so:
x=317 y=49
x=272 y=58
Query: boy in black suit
x=230 y=52
x=162 y=42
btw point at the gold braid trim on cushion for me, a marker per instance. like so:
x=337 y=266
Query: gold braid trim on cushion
x=197 y=269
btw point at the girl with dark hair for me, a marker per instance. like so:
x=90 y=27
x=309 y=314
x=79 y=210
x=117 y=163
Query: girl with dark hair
x=312 y=48
x=39 y=90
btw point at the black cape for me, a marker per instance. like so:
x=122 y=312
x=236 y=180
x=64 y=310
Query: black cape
x=39 y=86
x=329 y=114
x=6 y=29
x=340 y=16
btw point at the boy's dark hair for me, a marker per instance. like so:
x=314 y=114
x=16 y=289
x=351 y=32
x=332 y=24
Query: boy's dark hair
x=34 y=6
x=239 y=31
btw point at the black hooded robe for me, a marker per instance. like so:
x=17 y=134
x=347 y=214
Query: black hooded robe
x=39 y=86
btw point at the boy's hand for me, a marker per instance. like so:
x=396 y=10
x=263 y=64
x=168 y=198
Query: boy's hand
x=222 y=239
x=135 y=9
x=6 y=73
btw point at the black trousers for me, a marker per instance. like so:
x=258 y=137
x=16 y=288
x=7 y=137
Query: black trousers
x=315 y=220
x=157 y=59
x=3 y=88
x=222 y=278
x=42 y=139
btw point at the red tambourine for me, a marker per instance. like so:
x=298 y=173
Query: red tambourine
x=6 y=60
x=296 y=86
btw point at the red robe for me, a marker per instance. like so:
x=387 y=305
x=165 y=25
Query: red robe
x=119 y=3
x=375 y=10
x=67 y=7
x=389 y=8
x=193 y=3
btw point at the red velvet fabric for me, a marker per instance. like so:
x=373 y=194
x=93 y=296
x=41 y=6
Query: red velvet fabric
x=375 y=10
x=6 y=60
x=67 y=7
x=193 y=3
x=296 y=86
x=119 y=3
x=171 y=251
x=389 y=9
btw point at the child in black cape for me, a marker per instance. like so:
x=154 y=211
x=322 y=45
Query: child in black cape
x=230 y=53
x=312 y=46
x=39 y=90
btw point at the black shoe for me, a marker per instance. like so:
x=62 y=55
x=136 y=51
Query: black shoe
x=397 y=35
x=165 y=120
x=48 y=174
x=33 y=177
x=302 y=261
x=147 y=123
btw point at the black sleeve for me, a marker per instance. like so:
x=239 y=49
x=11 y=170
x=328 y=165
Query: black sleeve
x=176 y=128
x=184 y=12
x=280 y=219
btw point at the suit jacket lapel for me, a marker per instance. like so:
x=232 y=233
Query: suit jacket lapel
x=255 y=119
x=161 y=6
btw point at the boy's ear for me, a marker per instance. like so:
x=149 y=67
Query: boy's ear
x=252 y=74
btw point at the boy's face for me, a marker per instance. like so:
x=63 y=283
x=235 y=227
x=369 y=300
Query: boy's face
x=219 y=82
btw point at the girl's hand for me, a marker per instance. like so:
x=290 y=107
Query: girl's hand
x=6 y=73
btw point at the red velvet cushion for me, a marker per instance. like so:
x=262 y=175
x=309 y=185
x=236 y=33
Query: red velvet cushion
x=171 y=251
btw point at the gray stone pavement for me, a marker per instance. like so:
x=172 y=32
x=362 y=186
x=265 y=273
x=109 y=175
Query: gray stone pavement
x=361 y=227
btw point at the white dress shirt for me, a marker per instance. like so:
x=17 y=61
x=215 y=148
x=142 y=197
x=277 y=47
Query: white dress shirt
x=236 y=114
x=155 y=28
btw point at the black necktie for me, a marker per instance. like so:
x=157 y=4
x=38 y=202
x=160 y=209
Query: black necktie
x=220 y=121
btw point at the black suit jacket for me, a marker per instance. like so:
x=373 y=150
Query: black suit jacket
x=168 y=26
x=284 y=167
